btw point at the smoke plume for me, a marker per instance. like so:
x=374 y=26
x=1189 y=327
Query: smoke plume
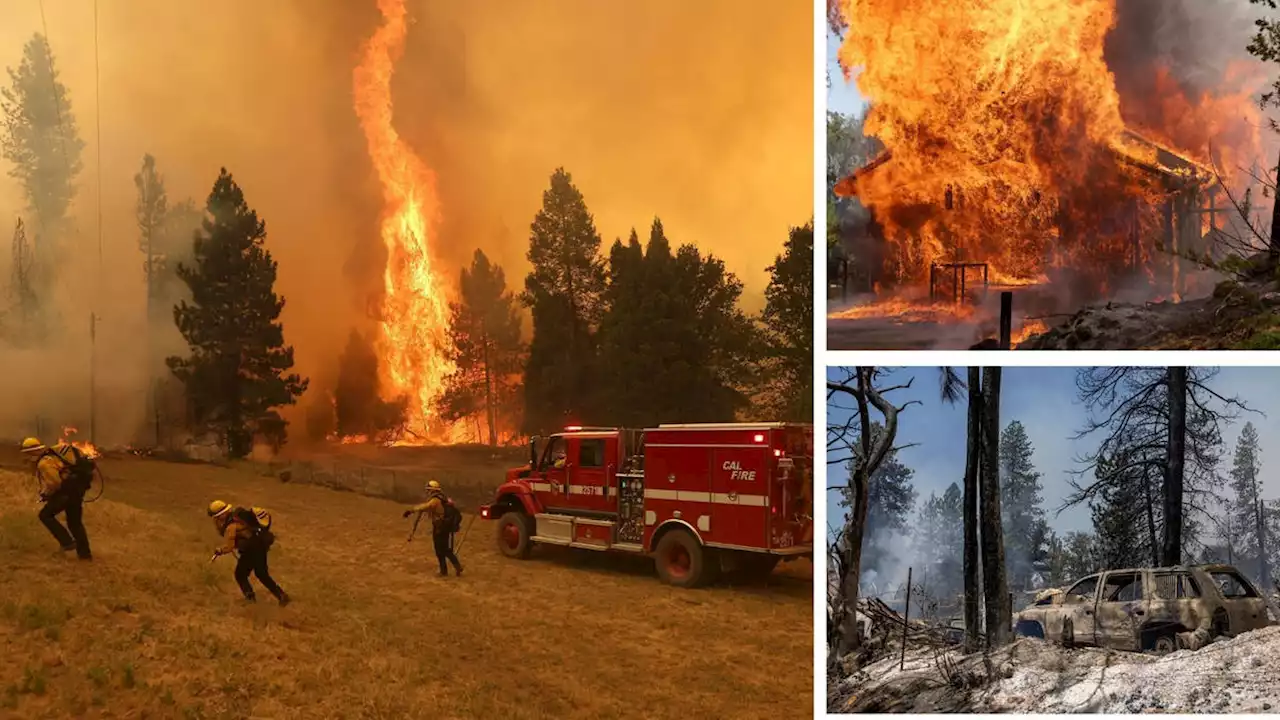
x=698 y=112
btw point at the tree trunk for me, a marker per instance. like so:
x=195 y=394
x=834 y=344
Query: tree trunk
x=999 y=615
x=1273 y=248
x=488 y=397
x=1263 y=566
x=971 y=460
x=1151 y=518
x=850 y=638
x=1171 y=553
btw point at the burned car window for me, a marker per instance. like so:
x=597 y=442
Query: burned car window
x=1123 y=588
x=1232 y=585
x=1082 y=590
x=1188 y=588
x=1167 y=586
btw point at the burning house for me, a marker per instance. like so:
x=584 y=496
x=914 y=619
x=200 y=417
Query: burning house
x=1170 y=210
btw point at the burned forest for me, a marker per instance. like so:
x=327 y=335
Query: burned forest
x=1100 y=177
x=1038 y=539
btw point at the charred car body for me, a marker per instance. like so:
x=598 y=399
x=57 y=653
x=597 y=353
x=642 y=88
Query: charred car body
x=1149 y=609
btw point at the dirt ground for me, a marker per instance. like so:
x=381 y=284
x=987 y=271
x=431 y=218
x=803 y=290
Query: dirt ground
x=151 y=628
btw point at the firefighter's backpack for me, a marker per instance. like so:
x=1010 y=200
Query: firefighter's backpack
x=257 y=520
x=452 y=520
x=80 y=467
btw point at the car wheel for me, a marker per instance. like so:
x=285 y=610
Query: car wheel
x=1165 y=643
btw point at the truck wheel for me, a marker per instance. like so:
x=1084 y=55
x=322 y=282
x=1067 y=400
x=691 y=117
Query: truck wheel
x=680 y=560
x=513 y=535
x=1165 y=643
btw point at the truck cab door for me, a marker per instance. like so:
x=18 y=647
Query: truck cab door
x=589 y=473
x=1079 y=605
x=554 y=470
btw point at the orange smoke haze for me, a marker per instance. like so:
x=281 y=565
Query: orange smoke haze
x=697 y=112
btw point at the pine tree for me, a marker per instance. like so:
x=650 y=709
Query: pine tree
x=563 y=291
x=358 y=407
x=23 y=294
x=152 y=206
x=1080 y=556
x=1119 y=514
x=484 y=328
x=1020 y=505
x=40 y=139
x=625 y=387
x=234 y=378
x=1245 y=512
x=939 y=544
x=788 y=323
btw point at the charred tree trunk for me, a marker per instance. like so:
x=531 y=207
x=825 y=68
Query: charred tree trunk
x=999 y=616
x=971 y=462
x=1171 y=553
x=1151 y=517
x=1273 y=248
x=488 y=397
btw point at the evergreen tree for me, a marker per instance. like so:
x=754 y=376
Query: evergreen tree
x=1080 y=556
x=626 y=388
x=1024 y=522
x=152 y=207
x=563 y=291
x=788 y=322
x=1119 y=514
x=40 y=139
x=358 y=407
x=939 y=545
x=484 y=327
x=234 y=378
x=672 y=322
x=1245 y=513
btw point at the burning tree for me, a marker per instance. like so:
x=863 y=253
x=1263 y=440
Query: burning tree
x=234 y=377
x=484 y=326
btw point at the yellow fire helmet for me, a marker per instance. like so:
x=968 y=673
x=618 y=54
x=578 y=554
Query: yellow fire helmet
x=218 y=508
x=433 y=484
x=264 y=517
x=33 y=445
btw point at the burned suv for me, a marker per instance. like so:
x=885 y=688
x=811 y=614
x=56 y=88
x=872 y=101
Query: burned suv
x=1151 y=609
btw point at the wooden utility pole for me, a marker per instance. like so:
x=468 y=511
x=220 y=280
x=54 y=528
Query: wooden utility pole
x=93 y=380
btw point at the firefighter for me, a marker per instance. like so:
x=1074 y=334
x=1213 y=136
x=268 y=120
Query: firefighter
x=63 y=485
x=441 y=531
x=243 y=532
x=559 y=459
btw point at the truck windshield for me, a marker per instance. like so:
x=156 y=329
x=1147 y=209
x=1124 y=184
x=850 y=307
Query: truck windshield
x=1083 y=590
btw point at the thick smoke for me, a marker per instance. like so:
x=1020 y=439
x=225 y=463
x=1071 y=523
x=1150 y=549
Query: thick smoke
x=1197 y=40
x=659 y=108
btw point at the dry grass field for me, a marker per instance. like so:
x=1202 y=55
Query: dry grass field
x=152 y=629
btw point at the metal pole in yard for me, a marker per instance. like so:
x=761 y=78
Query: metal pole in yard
x=906 y=619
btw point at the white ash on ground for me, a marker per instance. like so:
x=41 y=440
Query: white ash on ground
x=1237 y=675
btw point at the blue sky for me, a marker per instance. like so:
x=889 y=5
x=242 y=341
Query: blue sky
x=842 y=97
x=1044 y=400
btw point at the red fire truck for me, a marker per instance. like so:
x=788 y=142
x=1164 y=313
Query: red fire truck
x=699 y=499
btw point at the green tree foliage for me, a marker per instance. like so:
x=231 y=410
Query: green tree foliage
x=672 y=324
x=1253 y=536
x=563 y=292
x=40 y=139
x=485 y=331
x=358 y=407
x=1080 y=556
x=234 y=378
x=940 y=545
x=1120 y=514
x=788 y=330
x=165 y=235
x=1266 y=47
x=1020 y=505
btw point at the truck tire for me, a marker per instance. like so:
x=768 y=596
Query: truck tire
x=513 y=535
x=681 y=560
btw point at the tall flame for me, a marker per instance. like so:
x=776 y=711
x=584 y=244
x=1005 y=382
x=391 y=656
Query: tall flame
x=412 y=343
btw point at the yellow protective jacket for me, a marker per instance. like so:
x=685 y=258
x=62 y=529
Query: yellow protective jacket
x=433 y=507
x=51 y=471
x=234 y=534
